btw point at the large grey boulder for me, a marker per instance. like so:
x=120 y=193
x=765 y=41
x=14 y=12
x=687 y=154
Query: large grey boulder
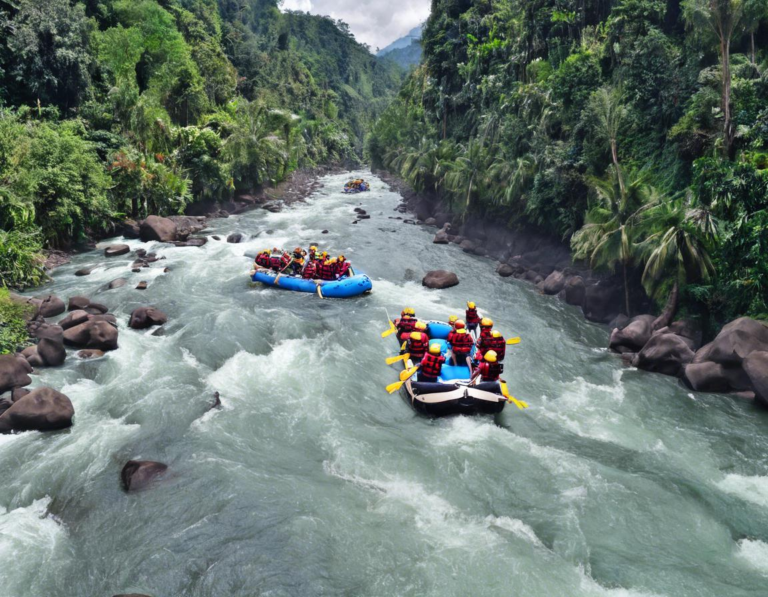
x=116 y=250
x=14 y=372
x=575 y=289
x=440 y=279
x=554 y=283
x=664 y=353
x=43 y=409
x=146 y=317
x=735 y=342
x=756 y=368
x=155 y=228
x=633 y=336
x=95 y=333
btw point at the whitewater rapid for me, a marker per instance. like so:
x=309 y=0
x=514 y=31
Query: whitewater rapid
x=311 y=480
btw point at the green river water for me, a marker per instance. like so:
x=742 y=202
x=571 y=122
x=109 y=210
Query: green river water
x=312 y=480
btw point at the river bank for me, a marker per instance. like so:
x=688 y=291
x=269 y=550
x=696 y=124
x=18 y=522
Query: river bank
x=735 y=361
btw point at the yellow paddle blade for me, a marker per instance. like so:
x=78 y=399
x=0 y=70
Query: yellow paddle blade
x=388 y=333
x=514 y=340
x=400 y=357
x=406 y=374
x=403 y=345
x=505 y=392
x=394 y=387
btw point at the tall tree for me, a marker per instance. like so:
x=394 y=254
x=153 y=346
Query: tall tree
x=723 y=19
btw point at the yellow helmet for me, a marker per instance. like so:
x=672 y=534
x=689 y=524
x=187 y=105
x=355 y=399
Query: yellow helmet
x=496 y=334
x=452 y=319
x=486 y=322
x=435 y=349
x=332 y=260
x=409 y=311
x=313 y=248
x=342 y=258
x=490 y=356
x=470 y=304
x=415 y=335
x=420 y=325
x=325 y=253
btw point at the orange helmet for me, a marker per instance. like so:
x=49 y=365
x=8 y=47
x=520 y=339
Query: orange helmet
x=460 y=325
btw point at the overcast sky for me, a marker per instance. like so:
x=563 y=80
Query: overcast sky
x=374 y=22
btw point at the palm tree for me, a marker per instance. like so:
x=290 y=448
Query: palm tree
x=608 y=237
x=465 y=177
x=609 y=114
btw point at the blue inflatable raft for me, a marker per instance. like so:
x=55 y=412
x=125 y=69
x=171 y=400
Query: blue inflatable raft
x=344 y=288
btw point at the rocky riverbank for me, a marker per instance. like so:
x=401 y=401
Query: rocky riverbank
x=735 y=361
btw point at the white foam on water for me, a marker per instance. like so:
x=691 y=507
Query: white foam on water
x=754 y=553
x=751 y=489
x=30 y=540
x=465 y=433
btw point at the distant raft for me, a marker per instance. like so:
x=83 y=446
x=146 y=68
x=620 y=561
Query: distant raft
x=346 y=287
x=452 y=394
x=356 y=186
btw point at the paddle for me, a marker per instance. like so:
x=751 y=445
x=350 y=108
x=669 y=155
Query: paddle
x=505 y=392
x=406 y=374
x=394 y=387
x=320 y=291
x=280 y=273
x=402 y=357
x=392 y=329
x=514 y=340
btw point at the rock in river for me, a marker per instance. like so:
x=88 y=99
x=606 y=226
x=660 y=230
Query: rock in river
x=145 y=317
x=116 y=250
x=139 y=474
x=440 y=279
x=14 y=372
x=43 y=409
x=158 y=229
x=95 y=333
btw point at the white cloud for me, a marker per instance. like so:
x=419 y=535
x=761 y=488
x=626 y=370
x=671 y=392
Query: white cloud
x=374 y=22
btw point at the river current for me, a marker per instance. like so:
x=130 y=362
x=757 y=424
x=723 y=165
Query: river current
x=312 y=480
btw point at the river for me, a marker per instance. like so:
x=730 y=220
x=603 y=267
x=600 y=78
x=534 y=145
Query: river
x=312 y=480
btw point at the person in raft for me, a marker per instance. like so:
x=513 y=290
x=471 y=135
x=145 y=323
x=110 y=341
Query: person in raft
x=313 y=255
x=406 y=324
x=262 y=260
x=418 y=344
x=494 y=342
x=489 y=369
x=297 y=260
x=342 y=267
x=431 y=364
x=471 y=316
x=461 y=346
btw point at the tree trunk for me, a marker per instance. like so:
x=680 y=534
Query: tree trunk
x=752 y=47
x=445 y=121
x=670 y=309
x=615 y=157
x=725 y=56
x=626 y=289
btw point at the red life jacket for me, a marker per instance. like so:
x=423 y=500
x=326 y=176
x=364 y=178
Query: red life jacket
x=471 y=316
x=262 y=260
x=276 y=263
x=431 y=365
x=485 y=332
x=342 y=269
x=462 y=344
x=451 y=336
x=418 y=348
x=406 y=325
x=498 y=345
x=285 y=260
x=309 y=271
x=490 y=371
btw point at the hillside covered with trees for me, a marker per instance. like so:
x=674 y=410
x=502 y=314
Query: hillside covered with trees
x=635 y=130
x=117 y=108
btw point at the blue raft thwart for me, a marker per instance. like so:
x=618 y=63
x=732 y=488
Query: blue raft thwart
x=344 y=288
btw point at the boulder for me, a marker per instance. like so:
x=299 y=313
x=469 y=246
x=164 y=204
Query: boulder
x=50 y=331
x=505 y=270
x=756 y=368
x=5 y=404
x=142 y=285
x=440 y=279
x=146 y=317
x=19 y=393
x=714 y=377
x=14 y=372
x=94 y=333
x=441 y=238
x=155 y=228
x=43 y=409
x=139 y=474
x=108 y=317
x=602 y=302
x=74 y=318
x=687 y=329
x=86 y=271
x=235 y=238
x=664 y=353
x=131 y=229
x=633 y=336
x=117 y=283
x=554 y=283
x=192 y=242
x=620 y=321
x=430 y=222
x=50 y=306
x=480 y=251
x=78 y=302
x=51 y=352
x=116 y=250
x=98 y=308
x=90 y=353
x=736 y=341
x=575 y=291
x=467 y=246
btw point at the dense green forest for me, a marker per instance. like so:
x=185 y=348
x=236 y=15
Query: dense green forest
x=636 y=130
x=121 y=108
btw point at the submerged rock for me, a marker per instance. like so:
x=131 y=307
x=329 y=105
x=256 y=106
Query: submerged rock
x=116 y=250
x=43 y=409
x=86 y=271
x=117 y=283
x=142 y=285
x=146 y=317
x=440 y=279
x=235 y=238
x=139 y=474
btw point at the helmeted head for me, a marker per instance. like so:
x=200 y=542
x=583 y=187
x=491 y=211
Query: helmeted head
x=409 y=311
x=325 y=254
x=470 y=305
x=313 y=248
x=486 y=322
x=275 y=250
x=342 y=259
x=435 y=349
x=421 y=326
x=491 y=356
x=415 y=335
x=460 y=325
x=496 y=334
x=298 y=250
x=452 y=319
